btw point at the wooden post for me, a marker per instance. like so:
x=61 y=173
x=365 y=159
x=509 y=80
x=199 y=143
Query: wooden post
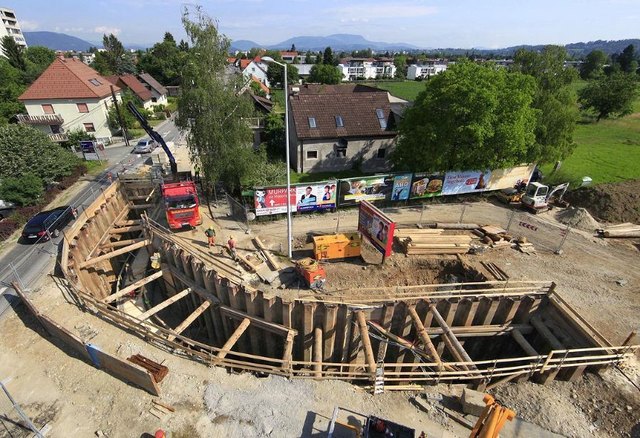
x=544 y=331
x=330 y=317
x=155 y=309
x=226 y=348
x=424 y=337
x=366 y=342
x=449 y=338
x=190 y=319
x=317 y=353
x=112 y=254
x=288 y=352
x=629 y=339
x=127 y=290
x=524 y=344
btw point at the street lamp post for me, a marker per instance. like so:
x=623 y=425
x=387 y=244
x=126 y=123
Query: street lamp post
x=286 y=125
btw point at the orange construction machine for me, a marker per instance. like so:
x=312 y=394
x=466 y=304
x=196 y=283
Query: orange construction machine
x=336 y=246
x=313 y=274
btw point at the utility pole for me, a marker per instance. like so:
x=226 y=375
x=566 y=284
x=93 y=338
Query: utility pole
x=120 y=118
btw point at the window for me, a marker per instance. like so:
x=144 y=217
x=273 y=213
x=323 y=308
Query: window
x=154 y=100
x=89 y=127
x=312 y=155
x=95 y=82
x=312 y=122
x=82 y=108
x=339 y=122
x=47 y=108
x=55 y=129
x=382 y=153
x=381 y=120
x=341 y=148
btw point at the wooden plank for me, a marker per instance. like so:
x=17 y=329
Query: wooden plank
x=226 y=348
x=424 y=337
x=127 y=372
x=366 y=341
x=259 y=322
x=127 y=223
x=317 y=353
x=272 y=261
x=166 y=303
x=141 y=206
x=190 y=319
x=544 y=331
x=120 y=243
x=524 y=344
x=449 y=338
x=123 y=230
x=115 y=253
x=127 y=290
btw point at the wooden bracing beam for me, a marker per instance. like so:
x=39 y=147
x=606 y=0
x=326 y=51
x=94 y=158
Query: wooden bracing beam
x=424 y=336
x=366 y=341
x=226 y=348
x=258 y=322
x=166 y=303
x=107 y=235
x=128 y=223
x=123 y=230
x=189 y=320
x=288 y=352
x=115 y=253
x=317 y=353
x=544 y=331
x=449 y=338
x=127 y=290
x=524 y=344
x=119 y=243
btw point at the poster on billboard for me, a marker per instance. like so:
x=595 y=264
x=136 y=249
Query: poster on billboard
x=401 y=187
x=511 y=177
x=456 y=183
x=365 y=188
x=376 y=227
x=316 y=196
x=425 y=185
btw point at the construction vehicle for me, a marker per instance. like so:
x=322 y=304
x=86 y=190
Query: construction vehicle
x=537 y=197
x=312 y=272
x=492 y=419
x=182 y=206
x=337 y=246
x=372 y=426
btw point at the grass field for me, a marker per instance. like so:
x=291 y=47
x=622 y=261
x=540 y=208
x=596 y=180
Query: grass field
x=407 y=90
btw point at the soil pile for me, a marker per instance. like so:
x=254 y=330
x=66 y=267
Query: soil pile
x=614 y=202
x=578 y=218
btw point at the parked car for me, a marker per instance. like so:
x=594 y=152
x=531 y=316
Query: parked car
x=144 y=146
x=46 y=224
x=6 y=208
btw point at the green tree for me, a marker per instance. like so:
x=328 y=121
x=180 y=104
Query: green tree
x=13 y=52
x=610 y=96
x=319 y=58
x=555 y=101
x=165 y=60
x=470 y=117
x=308 y=57
x=257 y=90
x=327 y=57
x=218 y=136
x=274 y=132
x=26 y=189
x=129 y=120
x=275 y=74
x=325 y=74
x=627 y=59
x=76 y=136
x=400 y=61
x=114 y=53
x=593 y=65
x=24 y=149
x=11 y=87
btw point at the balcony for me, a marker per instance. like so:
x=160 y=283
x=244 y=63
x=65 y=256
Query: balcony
x=58 y=138
x=255 y=122
x=46 y=119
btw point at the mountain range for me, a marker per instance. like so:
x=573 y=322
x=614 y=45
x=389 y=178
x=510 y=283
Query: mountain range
x=338 y=42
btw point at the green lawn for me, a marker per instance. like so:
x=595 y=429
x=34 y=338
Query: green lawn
x=407 y=90
x=95 y=167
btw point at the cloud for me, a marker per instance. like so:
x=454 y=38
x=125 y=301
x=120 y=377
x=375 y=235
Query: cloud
x=29 y=25
x=74 y=29
x=107 y=30
x=372 y=12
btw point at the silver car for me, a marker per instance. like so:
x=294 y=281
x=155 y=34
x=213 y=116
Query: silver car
x=144 y=146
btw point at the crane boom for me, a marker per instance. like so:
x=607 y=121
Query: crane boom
x=154 y=135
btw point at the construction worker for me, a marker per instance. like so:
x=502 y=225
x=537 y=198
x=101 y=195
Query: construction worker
x=211 y=236
x=231 y=245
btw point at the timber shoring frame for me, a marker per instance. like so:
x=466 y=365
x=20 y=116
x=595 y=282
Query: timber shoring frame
x=394 y=373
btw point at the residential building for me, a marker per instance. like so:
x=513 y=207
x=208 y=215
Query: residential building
x=366 y=68
x=289 y=56
x=69 y=96
x=11 y=27
x=158 y=91
x=426 y=69
x=129 y=81
x=304 y=70
x=255 y=68
x=339 y=127
x=88 y=57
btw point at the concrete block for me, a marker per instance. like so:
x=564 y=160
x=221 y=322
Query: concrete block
x=472 y=402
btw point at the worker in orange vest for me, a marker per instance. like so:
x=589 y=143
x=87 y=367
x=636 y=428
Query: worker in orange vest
x=231 y=245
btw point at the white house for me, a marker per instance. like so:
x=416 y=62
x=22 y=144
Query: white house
x=366 y=68
x=158 y=92
x=255 y=68
x=144 y=95
x=425 y=70
x=11 y=27
x=69 y=96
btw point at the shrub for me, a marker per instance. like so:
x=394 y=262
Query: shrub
x=26 y=189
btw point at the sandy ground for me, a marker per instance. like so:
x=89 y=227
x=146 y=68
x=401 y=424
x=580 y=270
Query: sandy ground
x=55 y=387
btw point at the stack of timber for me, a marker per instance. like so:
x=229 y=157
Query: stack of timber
x=495 y=270
x=493 y=236
x=525 y=246
x=621 y=230
x=432 y=241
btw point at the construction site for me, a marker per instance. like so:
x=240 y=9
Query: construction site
x=472 y=297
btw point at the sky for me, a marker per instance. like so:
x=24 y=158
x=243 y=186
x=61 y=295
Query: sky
x=424 y=23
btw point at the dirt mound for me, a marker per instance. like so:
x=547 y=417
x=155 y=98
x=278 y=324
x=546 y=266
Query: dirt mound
x=614 y=202
x=578 y=218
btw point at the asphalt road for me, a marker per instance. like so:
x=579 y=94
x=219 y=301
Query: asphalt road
x=25 y=263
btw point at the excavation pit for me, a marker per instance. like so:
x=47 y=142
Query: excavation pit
x=436 y=321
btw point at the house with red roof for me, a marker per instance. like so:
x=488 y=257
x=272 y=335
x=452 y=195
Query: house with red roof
x=158 y=91
x=255 y=68
x=69 y=96
x=129 y=81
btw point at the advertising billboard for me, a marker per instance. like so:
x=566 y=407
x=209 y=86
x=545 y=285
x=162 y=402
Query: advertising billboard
x=376 y=227
x=401 y=187
x=374 y=188
x=425 y=185
x=303 y=198
x=456 y=183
